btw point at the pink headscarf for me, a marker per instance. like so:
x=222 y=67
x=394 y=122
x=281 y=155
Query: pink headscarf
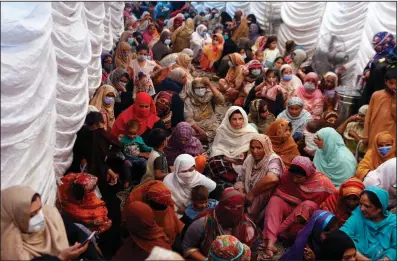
x=313 y=101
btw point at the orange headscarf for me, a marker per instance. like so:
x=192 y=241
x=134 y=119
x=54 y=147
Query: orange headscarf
x=373 y=158
x=286 y=148
x=259 y=44
x=214 y=52
x=145 y=116
x=335 y=202
x=236 y=71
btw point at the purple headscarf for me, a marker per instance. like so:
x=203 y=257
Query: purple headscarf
x=315 y=226
x=383 y=43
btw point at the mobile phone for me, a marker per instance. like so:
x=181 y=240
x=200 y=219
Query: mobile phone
x=89 y=238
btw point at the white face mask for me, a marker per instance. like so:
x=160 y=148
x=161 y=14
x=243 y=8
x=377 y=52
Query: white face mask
x=37 y=223
x=200 y=92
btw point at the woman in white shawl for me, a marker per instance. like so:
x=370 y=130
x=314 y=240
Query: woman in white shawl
x=183 y=179
x=229 y=149
x=260 y=176
x=198 y=40
x=385 y=177
x=299 y=57
x=289 y=81
x=297 y=115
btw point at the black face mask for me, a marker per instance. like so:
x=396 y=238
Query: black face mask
x=108 y=67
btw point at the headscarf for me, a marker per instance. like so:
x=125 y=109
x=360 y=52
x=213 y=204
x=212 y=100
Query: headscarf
x=259 y=44
x=236 y=71
x=227 y=247
x=232 y=142
x=313 y=101
x=326 y=115
x=253 y=35
x=336 y=78
x=373 y=158
x=373 y=239
x=115 y=76
x=177 y=74
x=242 y=30
x=91 y=211
x=384 y=43
x=335 y=245
x=150 y=39
x=334 y=160
x=356 y=126
x=122 y=61
x=174 y=148
x=184 y=61
x=317 y=187
x=142 y=227
x=335 y=203
x=291 y=85
x=163 y=111
x=98 y=102
x=156 y=191
x=160 y=49
x=187 y=51
x=299 y=122
x=195 y=99
x=385 y=177
x=159 y=253
x=257 y=107
x=260 y=167
x=213 y=52
x=16 y=243
x=146 y=117
x=312 y=231
x=179 y=19
x=285 y=147
x=181 y=183
x=299 y=58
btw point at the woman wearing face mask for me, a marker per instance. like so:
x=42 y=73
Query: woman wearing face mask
x=198 y=40
x=104 y=101
x=232 y=84
x=107 y=66
x=332 y=157
x=229 y=148
x=254 y=33
x=226 y=218
x=300 y=191
x=372 y=227
x=198 y=109
x=280 y=133
x=182 y=141
x=214 y=19
x=308 y=242
x=382 y=149
x=123 y=55
x=252 y=72
x=162 y=47
x=289 y=81
x=181 y=37
x=297 y=116
x=212 y=53
x=311 y=96
x=144 y=111
x=120 y=79
x=183 y=179
x=31 y=230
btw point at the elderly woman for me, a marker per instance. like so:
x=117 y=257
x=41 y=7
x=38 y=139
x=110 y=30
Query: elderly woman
x=181 y=37
x=297 y=115
x=289 y=81
x=226 y=218
x=162 y=47
x=104 y=101
x=332 y=157
x=260 y=175
x=183 y=179
x=372 y=227
x=198 y=109
x=382 y=149
x=311 y=96
x=282 y=141
x=260 y=116
x=229 y=148
x=212 y=52
x=297 y=196
x=228 y=247
x=342 y=202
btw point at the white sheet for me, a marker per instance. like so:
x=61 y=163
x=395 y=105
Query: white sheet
x=107 y=41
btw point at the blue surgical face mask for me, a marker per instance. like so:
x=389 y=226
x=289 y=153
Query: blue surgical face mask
x=287 y=77
x=109 y=100
x=384 y=150
x=130 y=41
x=309 y=87
x=126 y=54
x=256 y=72
x=203 y=34
x=149 y=58
x=186 y=15
x=225 y=37
x=167 y=41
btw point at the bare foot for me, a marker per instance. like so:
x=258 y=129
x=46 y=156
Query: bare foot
x=126 y=184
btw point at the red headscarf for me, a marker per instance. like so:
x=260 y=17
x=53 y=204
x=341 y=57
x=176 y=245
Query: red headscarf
x=317 y=186
x=145 y=116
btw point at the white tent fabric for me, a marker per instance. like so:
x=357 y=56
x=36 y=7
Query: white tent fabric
x=50 y=54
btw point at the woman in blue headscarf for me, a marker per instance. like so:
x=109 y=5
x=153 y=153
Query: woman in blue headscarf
x=372 y=227
x=309 y=239
x=162 y=8
x=332 y=157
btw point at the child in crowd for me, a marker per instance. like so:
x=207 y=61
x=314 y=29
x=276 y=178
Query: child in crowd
x=328 y=88
x=157 y=167
x=310 y=134
x=270 y=52
x=134 y=151
x=199 y=202
x=259 y=56
x=142 y=85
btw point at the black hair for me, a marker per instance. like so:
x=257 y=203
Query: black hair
x=202 y=14
x=156 y=206
x=253 y=18
x=77 y=191
x=199 y=193
x=135 y=34
x=35 y=197
x=373 y=198
x=132 y=123
x=332 y=223
x=270 y=39
x=289 y=46
x=142 y=47
x=156 y=137
x=271 y=70
x=279 y=58
x=235 y=112
x=125 y=75
x=228 y=31
x=262 y=104
x=297 y=170
x=391 y=73
x=93 y=118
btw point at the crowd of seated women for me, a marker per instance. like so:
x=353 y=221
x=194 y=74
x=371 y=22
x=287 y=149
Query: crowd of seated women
x=224 y=167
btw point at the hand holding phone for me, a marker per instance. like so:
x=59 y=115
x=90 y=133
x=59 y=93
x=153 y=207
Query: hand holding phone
x=88 y=239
